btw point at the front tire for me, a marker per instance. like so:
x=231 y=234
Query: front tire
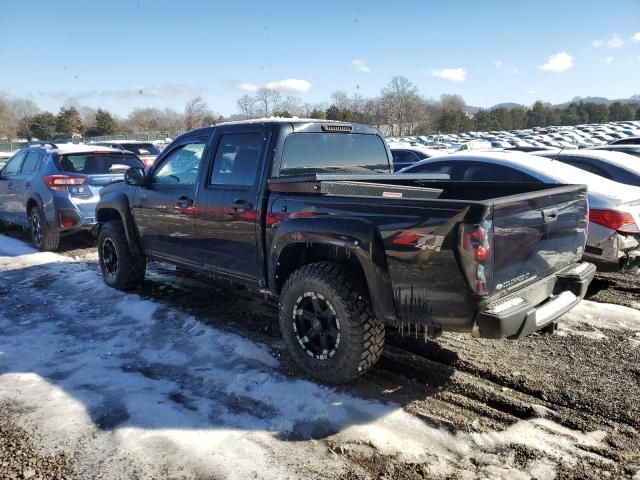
x=42 y=236
x=120 y=269
x=327 y=323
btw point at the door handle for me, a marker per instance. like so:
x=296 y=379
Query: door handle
x=550 y=215
x=184 y=202
x=241 y=206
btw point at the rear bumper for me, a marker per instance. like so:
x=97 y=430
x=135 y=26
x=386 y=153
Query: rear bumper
x=535 y=306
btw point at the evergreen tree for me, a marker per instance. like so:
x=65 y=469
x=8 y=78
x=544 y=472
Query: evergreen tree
x=105 y=123
x=68 y=122
x=43 y=126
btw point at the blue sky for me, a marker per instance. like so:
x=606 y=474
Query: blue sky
x=124 y=54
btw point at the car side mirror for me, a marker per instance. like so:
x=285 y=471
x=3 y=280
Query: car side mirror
x=134 y=176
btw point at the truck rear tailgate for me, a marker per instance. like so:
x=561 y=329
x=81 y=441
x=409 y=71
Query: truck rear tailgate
x=536 y=235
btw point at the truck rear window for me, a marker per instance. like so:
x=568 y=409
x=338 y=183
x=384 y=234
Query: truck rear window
x=97 y=163
x=334 y=153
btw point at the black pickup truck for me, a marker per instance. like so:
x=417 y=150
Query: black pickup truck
x=309 y=213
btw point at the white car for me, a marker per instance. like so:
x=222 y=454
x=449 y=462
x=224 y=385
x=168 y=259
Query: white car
x=613 y=241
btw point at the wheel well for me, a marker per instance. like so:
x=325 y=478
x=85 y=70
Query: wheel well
x=296 y=255
x=30 y=204
x=106 y=214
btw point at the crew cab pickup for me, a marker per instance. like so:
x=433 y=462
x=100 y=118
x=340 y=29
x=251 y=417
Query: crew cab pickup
x=309 y=213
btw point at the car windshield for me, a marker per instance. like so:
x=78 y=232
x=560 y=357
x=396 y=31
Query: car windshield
x=334 y=153
x=97 y=163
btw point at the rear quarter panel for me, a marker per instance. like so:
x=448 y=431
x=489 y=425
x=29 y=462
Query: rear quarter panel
x=417 y=242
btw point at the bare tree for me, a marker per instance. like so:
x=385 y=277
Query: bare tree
x=292 y=105
x=25 y=110
x=267 y=99
x=246 y=105
x=171 y=120
x=144 y=119
x=8 y=119
x=71 y=102
x=88 y=115
x=196 y=113
x=401 y=102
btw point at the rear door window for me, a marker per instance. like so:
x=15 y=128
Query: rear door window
x=31 y=163
x=237 y=159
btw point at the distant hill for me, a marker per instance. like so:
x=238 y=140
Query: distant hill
x=509 y=105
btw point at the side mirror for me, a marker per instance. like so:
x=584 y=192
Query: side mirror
x=134 y=176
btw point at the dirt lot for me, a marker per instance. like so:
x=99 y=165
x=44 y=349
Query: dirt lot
x=547 y=406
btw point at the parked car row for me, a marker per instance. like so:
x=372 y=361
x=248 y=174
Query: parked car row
x=607 y=135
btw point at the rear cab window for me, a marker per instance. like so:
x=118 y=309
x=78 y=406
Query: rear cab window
x=96 y=163
x=306 y=153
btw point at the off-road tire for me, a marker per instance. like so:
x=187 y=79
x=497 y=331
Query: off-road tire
x=129 y=270
x=361 y=333
x=43 y=238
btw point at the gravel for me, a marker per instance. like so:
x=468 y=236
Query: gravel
x=18 y=457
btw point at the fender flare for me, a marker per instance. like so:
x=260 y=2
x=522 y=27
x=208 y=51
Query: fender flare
x=119 y=202
x=360 y=238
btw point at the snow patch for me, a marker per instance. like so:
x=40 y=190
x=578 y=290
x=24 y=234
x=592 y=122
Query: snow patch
x=128 y=381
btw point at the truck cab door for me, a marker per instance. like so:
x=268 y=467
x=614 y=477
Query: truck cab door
x=228 y=221
x=165 y=206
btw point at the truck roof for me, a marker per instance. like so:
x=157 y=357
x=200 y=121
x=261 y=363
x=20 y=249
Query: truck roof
x=294 y=122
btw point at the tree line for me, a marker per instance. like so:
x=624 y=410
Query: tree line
x=399 y=109
x=22 y=119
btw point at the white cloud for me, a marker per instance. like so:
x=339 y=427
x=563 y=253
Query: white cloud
x=360 y=65
x=636 y=37
x=609 y=59
x=451 y=74
x=288 y=85
x=531 y=92
x=498 y=63
x=559 y=62
x=156 y=91
x=614 y=41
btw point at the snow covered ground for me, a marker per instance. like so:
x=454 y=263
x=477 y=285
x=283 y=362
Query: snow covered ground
x=135 y=387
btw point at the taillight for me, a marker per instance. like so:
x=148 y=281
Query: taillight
x=476 y=255
x=63 y=182
x=614 y=219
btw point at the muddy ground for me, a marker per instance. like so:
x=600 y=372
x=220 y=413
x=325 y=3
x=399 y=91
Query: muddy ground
x=580 y=382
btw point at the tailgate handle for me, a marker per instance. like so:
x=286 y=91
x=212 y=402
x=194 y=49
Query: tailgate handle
x=550 y=215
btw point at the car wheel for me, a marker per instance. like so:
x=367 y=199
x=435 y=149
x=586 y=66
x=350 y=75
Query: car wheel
x=328 y=324
x=42 y=237
x=120 y=269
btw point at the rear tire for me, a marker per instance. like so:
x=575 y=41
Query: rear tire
x=327 y=323
x=120 y=269
x=42 y=236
